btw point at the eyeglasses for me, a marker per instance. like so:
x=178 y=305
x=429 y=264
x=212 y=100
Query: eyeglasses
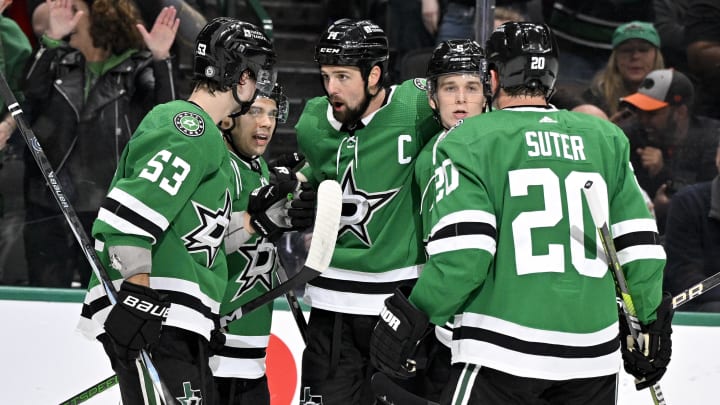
x=257 y=112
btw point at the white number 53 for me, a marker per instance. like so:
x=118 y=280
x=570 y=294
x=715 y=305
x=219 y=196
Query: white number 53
x=155 y=168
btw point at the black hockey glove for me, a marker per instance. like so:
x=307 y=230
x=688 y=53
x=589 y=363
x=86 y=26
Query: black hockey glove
x=396 y=336
x=134 y=322
x=217 y=341
x=649 y=367
x=283 y=207
x=289 y=160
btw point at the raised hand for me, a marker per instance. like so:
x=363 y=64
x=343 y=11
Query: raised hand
x=162 y=35
x=62 y=19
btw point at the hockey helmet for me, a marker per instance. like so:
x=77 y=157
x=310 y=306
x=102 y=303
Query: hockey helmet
x=524 y=54
x=226 y=47
x=347 y=42
x=456 y=56
x=283 y=106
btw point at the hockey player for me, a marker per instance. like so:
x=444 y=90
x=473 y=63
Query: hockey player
x=160 y=230
x=514 y=261
x=239 y=366
x=456 y=87
x=366 y=136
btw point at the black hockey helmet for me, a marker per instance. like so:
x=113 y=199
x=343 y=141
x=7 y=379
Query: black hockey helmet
x=226 y=47
x=347 y=42
x=283 y=106
x=456 y=56
x=524 y=54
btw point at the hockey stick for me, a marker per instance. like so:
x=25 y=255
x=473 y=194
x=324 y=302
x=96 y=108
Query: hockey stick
x=322 y=246
x=696 y=290
x=292 y=300
x=392 y=394
x=98 y=388
x=72 y=219
x=601 y=224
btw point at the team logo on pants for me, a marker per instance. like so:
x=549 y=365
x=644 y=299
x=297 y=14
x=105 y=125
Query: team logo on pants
x=192 y=397
x=310 y=399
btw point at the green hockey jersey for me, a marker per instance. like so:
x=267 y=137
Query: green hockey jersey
x=379 y=245
x=249 y=276
x=514 y=259
x=171 y=194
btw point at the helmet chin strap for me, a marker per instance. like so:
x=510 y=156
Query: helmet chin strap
x=244 y=105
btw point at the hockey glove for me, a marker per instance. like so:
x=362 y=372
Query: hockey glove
x=134 y=322
x=278 y=208
x=396 y=336
x=289 y=160
x=649 y=366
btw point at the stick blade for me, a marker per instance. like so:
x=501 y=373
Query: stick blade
x=327 y=223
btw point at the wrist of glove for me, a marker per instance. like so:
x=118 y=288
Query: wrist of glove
x=649 y=365
x=396 y=336
x=283 y=207
x=135 y=321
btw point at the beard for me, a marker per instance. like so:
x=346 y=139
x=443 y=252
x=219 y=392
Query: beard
x=351 y=116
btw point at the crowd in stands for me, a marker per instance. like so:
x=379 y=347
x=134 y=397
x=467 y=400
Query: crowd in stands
x=84 y=79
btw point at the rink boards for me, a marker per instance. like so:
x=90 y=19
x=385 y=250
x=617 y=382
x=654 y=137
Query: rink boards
x=44 y=361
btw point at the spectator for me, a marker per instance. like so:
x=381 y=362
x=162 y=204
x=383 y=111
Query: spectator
x=87 y=96
x=672 y=147
x=455 y=19
x=692 y=237
x=635 y=52
x=702 y=35
x=670 y=25
x=15 y=51
x=584 y=30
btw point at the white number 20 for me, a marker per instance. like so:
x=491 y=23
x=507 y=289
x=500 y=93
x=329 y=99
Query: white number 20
x=554 y=261
x=155 y=169
x=537 y=62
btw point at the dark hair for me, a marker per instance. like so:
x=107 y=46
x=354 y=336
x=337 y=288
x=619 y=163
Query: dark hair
x=112 y=25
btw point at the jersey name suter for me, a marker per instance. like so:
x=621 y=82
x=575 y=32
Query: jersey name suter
x=553 y=144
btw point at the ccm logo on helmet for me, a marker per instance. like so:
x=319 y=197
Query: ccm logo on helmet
x=390 y=319
x=329 y=50
x=147 y=307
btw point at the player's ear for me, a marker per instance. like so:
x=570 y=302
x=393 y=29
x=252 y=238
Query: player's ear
x=226 y=123
x=431 y=101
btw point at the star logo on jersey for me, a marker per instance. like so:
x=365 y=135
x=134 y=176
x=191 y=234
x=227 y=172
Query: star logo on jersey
x=420 y=83
x=359 y=207
x=192 y=397
x=207 y=237
x=547 y=120
x=259 y=262
x=189 y=123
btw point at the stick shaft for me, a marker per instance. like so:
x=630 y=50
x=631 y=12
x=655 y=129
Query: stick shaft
x=69 y=213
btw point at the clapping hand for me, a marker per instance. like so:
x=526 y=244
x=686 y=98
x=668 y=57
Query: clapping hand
x=162 y=35
x=62 y=19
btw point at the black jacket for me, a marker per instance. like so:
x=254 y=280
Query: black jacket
x=84 y=137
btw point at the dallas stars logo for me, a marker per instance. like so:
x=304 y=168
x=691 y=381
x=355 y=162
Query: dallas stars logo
x=208 y=236
x=359 y=207
x=260 y=259
x=189 y=123
x=192 y=397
